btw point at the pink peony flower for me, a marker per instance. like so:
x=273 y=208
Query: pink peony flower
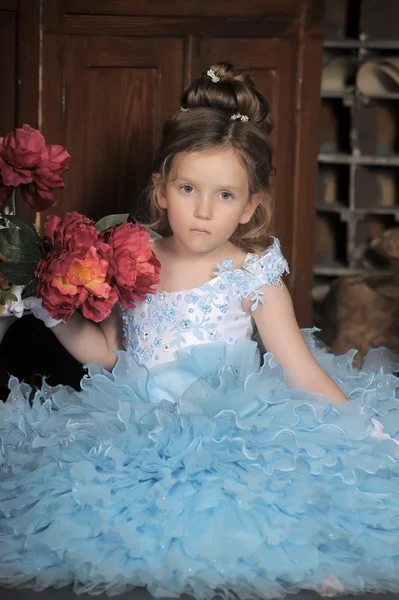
x=137 y=267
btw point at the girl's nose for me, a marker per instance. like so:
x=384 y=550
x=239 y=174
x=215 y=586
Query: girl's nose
x=203 y=208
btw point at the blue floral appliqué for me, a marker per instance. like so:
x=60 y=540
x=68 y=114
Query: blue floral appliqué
x=166 y=322
x=224 y=266
x=254 y=274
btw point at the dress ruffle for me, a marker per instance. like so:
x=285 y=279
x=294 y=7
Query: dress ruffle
x=202 y=476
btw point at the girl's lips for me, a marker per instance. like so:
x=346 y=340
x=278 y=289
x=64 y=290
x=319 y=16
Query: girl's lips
x=200 y=231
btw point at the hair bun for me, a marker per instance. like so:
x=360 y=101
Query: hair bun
x=227 y=88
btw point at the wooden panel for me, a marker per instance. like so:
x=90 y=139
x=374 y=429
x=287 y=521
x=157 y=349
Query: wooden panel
x=105 y=100
x=232 y=17
x=197 y=8
x=9 y=5
x=28 y=73
x=19 y=63
x=8 y=70
x=272 y=64
x=142 y=25
x=28 y=61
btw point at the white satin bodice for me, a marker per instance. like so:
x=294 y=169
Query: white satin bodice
x=164 y=322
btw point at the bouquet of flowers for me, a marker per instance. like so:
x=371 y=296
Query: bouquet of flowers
x=78 y=264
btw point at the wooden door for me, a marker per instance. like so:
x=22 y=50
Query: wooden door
x=104 y=99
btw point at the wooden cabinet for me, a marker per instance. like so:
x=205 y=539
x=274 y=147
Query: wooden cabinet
x=108 y=72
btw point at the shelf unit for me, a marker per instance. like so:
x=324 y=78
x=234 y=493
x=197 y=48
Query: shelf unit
x=358 y=190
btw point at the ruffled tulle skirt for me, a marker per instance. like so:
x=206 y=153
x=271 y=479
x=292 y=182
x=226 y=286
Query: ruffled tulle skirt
x=203 y=476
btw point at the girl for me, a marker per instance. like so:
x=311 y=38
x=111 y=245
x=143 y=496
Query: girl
x=184 y=464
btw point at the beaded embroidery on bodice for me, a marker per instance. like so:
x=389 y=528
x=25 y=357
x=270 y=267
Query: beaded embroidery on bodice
x=166 y=322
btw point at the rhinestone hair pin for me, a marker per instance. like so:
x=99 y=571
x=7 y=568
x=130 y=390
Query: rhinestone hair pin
x=239 y=116
x=211 y=74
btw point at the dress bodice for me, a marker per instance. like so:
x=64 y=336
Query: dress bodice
x=166 y=322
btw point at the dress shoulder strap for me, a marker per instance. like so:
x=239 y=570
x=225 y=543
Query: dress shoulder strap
x=267 y=269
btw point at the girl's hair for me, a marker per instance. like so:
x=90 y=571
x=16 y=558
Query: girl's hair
x=208 y=123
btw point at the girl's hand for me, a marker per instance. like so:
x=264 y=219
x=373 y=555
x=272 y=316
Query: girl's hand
x=34 y=305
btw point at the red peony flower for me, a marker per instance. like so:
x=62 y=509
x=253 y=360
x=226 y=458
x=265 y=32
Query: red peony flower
x=55 y=160
x=98 y=309
x=78 y=272
x=20 y=152
x=26 y=160
x=39 y=199
x=59 y=305
x=137 y=267
x=73 y=232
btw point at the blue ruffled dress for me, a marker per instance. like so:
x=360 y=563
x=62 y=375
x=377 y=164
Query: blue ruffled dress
x=192 y=467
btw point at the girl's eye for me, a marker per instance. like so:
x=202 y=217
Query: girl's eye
x=187 y=189
x=226 y=195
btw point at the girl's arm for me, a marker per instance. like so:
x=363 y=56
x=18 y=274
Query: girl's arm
x=278 y=328
x=112 y=330
x=87 y=342
x=84 y=340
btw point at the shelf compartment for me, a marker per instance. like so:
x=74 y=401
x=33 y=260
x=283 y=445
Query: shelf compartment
x=330 y=254
x=334 y=124
x=376 y=129
x=342 y=20
x=333 y=187
x=378 y=74
x=377 y=188
x=339 y=71
x=379 y=20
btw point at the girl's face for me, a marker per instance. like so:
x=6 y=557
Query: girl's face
x=207 y=196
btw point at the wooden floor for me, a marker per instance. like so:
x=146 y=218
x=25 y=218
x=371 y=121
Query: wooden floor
x=139 y=594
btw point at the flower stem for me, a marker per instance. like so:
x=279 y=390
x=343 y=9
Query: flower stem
x=14 y=200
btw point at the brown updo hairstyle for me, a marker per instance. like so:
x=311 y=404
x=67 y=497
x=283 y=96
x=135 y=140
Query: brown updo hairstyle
x=207 y=124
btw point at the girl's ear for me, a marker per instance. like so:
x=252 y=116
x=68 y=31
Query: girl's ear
x=250 y=208
x=159 y=190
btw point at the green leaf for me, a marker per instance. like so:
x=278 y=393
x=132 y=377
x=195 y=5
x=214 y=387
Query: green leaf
x=28 y=229
x=25 y=225
x=18 y=245
x=8 y=297
x=30 y=289
x=110 y=221
x=18 y=273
